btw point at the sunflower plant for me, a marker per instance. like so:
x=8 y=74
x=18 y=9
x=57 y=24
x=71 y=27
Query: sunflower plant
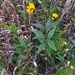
x=47 y=44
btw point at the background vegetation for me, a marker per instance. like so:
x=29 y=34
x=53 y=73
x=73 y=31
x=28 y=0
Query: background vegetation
x=37 y=37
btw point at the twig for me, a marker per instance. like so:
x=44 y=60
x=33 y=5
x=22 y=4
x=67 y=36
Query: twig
x=68 y=6
x=2 y=72
x=20 y=66
x=17 y=68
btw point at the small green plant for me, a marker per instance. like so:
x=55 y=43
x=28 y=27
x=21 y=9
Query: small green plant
x=50 y=39
x=62 y=71
x=20 y=47
x=36 y=44
x=46 y=39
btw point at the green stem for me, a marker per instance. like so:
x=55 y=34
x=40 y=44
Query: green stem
x=29 y=28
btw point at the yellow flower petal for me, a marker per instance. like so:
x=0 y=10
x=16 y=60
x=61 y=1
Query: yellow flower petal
x=65 y=43
x=68 y=63
x=30 y=8
x=72 y=67
x=31 y=5
x=53 y=18
x=55 y=15
x=28 y=11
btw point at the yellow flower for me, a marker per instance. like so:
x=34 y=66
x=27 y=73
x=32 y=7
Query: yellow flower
x=65 y=43
x=30 y=8
x=68 y=63
x=54 y=16
x=72 y=67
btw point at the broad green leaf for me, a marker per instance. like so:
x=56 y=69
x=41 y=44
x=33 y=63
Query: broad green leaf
x=38 y=25
x=54 y=24
x=40 y=39
x=41 y=47
x=38 y=34
x=51 y=32
x=48 y=22
x=48 y=51
x=52 y=45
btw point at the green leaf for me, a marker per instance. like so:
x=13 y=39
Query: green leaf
x=22 y=42
x=19 y=60
x=21 y=72
x=52 y=45
x=10 y=59
x=2 y=65
x=30 y=48
x=43 y=1
x=19 y=51
x=41 y=47
x=38 y=25
x=51 y=33
x=40 y=39
x=48 y=51
x=48 y=22
x=61 y=58
x=1 y=68
x=9 y=27
x=15 y=46
x=4 y=72
x=73 y=19
x=54 y=24
x=39 y=34
x=15 y=28
x=52 y=61
x=12 y=28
